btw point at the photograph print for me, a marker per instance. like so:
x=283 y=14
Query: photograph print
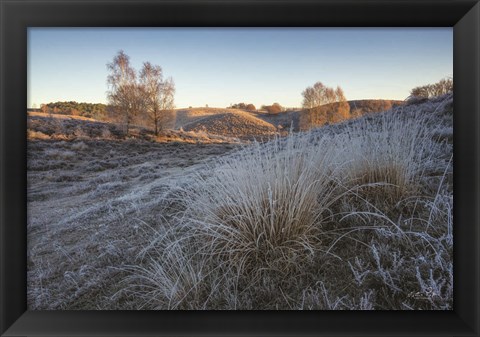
x=240 y=169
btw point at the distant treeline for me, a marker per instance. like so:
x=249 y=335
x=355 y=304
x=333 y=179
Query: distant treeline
x=442 y=87
x=97 y=111
x=339 y=111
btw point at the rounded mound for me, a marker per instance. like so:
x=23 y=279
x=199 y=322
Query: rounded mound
x=240 y=125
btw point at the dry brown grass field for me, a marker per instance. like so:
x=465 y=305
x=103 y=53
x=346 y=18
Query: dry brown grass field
x=355 y=216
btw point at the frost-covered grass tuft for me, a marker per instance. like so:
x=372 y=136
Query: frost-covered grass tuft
x=386 y=156
x=264 y=207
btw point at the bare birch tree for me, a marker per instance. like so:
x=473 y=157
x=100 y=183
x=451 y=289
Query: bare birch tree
x=158 y=94
x=124 y=94
x=324 y=105
x=320 y=94
x=150 y=97
x=167 y=99
x=151 y=80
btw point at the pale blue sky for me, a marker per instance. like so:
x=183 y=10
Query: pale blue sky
x=219 y=66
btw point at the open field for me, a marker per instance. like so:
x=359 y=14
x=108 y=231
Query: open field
x=356 y=215
x=86 y=211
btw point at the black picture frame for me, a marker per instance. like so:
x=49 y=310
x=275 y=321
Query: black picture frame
x=16 y=16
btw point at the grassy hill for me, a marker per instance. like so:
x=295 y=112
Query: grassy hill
x=365 y=106
x=41 y=126
x=238 y=124
x=336 y=112
x=182 y=117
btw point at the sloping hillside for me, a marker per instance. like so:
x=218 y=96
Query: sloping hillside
x=183 y=117
x=292 y=119
x=282 y=121
x=60 y=116
x=233 y=124
x=339 y=111
x=42 y=126
x=363 y=106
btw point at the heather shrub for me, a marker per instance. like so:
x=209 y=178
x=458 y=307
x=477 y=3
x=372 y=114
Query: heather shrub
x=273 y=109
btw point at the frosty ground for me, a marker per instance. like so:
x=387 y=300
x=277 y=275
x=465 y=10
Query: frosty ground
x=86 y=210
x=350 y=216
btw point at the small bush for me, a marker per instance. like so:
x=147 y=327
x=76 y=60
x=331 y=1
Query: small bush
x=273 y=109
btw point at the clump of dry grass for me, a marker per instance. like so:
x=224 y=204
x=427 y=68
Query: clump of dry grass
x=387 y=155
x=181 y=281
x=264 y=206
